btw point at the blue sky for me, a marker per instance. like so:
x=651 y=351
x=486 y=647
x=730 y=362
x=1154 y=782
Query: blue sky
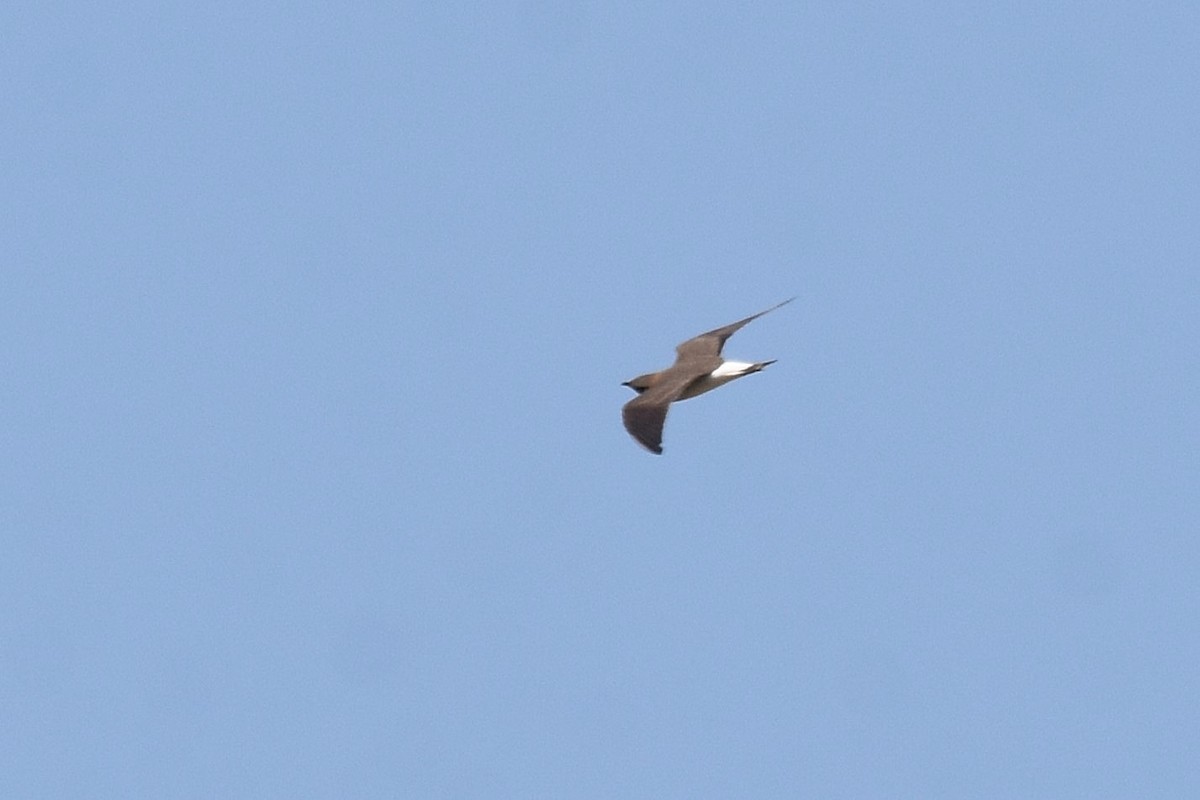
x=313 y=325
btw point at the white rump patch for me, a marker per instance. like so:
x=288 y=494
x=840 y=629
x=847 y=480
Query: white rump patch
x=731 y=369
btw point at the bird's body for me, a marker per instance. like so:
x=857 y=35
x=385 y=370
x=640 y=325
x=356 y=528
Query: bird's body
x=721 y=376
x=698 y=368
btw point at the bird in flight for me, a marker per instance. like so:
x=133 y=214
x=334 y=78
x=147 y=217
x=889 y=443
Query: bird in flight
x=698 y=368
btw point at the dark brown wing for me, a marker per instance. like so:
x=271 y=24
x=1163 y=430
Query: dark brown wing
x=708 y=345
x=645 y=421
x=645 y=415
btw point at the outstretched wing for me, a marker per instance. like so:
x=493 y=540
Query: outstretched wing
x=645 y=422
x=645 y=415
x=708 y=345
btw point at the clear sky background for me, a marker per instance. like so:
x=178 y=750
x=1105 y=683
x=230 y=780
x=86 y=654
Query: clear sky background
x=314 y=318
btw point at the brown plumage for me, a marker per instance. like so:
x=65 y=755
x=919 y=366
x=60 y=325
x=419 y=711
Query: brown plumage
x=698 y=368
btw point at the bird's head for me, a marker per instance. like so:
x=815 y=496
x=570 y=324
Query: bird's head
x=642 y=382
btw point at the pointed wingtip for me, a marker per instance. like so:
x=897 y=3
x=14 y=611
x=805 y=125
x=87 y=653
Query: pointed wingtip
x=777 y=305
x=650 y=447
